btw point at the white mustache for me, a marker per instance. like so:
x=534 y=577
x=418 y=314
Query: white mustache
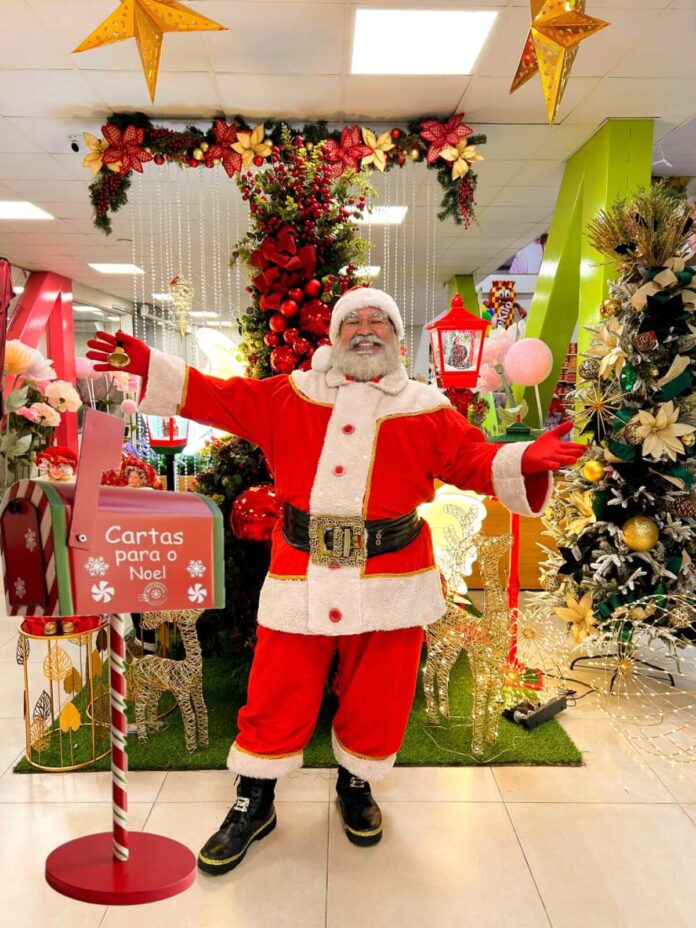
x=365 y=339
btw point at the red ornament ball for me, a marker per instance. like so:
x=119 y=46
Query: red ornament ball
x=315 y=317
x=258 y=160
x=289 y=308
x=296 y=294
x=283 y=359
x=271 y=339
x=277 y=323
x=158 y=159
x=313 y=287
x=301 y=345
x=395 y=134
x=254 y=513
x=289 y=335
x=305 y=366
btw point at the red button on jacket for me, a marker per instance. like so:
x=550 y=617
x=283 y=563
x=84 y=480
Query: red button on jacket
x=348 y=429
x=339 y=470
x=335 y=615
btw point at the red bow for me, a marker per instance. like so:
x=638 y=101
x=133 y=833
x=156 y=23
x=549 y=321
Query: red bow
x=282 y=265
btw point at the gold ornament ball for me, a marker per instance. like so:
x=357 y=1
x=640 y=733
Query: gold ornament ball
x=589 y=369
x=415 y=154
x=309 y=146
x=198 y=154
x=681 y=617
x=593 y=471
x=640 y=533
x=654 y=370
x=610 y=307
x=204 y=146
x=631 y=434
x=688 y=440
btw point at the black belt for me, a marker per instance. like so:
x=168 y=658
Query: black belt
x=347 y=540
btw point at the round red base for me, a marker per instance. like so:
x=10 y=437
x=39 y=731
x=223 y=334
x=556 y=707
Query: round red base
x=85 y=869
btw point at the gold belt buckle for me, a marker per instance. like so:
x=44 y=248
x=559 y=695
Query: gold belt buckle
x=337 y=540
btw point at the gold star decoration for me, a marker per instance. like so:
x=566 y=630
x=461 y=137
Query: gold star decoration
x=146 y=21
x=558 y=27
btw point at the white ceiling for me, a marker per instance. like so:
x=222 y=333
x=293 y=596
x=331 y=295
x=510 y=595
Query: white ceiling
x=291 y=59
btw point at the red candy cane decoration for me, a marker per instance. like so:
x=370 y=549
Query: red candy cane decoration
x=119 y=731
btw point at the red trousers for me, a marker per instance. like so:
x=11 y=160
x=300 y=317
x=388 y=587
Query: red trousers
x=375 y=685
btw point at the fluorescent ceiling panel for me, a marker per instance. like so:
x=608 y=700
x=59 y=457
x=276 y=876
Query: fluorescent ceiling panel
x=384 y=216
x=22 y=209
x=117 y=268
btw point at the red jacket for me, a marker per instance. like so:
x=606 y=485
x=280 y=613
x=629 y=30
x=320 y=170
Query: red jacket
x=344 y=448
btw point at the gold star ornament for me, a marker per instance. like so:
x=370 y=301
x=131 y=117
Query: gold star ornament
x=558 y=27
x=146 y=21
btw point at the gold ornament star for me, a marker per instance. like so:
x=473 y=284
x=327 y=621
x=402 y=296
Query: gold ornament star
x=558 y=27
x=146 y=21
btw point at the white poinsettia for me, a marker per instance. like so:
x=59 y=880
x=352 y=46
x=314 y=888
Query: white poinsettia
x=606 y=346
x=661 y=434
x=581 y=616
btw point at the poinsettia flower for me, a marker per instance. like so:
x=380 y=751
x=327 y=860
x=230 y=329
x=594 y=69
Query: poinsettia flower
x=225 y=137
x=606 y=345
x=661 y=434
x=443 y=134
x=252 y=144
x=97 y=147
x=580 y=615
x=584 y=513
x=125 y=148
x=347 y=153
x=378 y=148
x=461 y=157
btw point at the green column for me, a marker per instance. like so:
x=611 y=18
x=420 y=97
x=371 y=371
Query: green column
x=573 y=280
x=463 y=284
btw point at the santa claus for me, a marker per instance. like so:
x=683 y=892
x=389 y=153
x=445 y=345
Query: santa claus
x=355 y=447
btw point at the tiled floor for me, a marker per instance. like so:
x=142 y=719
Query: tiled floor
x=612 y=843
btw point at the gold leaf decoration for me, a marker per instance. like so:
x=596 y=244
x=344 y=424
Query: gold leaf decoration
x=43 y=708
x=102 y=641
x=57 y=664
x=73 y=681
x=23 y=647
x=69 y=718
x=39 y=735
x=96 y=665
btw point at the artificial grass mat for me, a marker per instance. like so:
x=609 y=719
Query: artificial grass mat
x=424 y=745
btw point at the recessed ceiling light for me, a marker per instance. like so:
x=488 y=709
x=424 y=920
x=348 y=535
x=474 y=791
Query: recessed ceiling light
x=93 y=310
x=22 y=209
x=419 y=41
x=383 y=216
x=162 y=297
x=117 y=268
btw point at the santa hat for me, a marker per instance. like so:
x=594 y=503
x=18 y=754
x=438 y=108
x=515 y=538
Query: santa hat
x=352 y=300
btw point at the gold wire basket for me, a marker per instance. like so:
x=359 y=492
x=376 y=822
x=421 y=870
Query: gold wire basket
x=66 y=723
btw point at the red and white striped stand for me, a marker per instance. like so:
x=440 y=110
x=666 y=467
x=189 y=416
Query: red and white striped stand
x=120 y=867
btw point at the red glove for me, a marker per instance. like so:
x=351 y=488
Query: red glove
x=104 y=343
x=548 y=452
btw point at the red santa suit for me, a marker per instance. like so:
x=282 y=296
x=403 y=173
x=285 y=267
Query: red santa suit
x=340 y=447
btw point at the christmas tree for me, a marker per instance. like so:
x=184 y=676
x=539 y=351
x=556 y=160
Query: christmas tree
x=623 y=517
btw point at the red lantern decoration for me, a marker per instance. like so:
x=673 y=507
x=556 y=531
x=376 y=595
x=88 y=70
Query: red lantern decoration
x=456 y=342
x=254 y=513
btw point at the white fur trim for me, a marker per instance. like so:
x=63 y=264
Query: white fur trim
x=357 y=299
x=377 y=604
x=166 y=378
x=508 y=481
x=265 y=768
x=366 y=768
x=321 y=359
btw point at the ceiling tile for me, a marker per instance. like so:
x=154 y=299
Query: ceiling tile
x=673 y=33
x=31 y=166
x=668 y=98
x=598 y=54
x=53 y=135
x=397 y=97
x=505 y=142
x=497 y=173
x=286 y=38
x=540 y=174
x=560 y=142
x=30 y=39
x=488 y=99
x=291 y=95
x=505 y=43
x=527 y=196
x=48 y=191
x=12 y=140
x=191 y=93
x=47 y=93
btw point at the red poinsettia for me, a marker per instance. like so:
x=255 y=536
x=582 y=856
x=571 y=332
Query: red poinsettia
x=443 y=135
x=348 y=153
x=125 y=148
x=225 y=137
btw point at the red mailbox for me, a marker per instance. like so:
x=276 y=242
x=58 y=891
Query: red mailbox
x=72 y=549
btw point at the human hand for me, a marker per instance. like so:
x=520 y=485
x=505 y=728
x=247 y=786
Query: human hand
x=104 y=345
x=548 y=452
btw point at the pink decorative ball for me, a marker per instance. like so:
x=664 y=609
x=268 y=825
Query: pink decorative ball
x=528 y=362
x=84 y=368
x=128 y=407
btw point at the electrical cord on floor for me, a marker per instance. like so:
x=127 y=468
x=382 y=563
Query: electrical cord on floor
x=572 y=695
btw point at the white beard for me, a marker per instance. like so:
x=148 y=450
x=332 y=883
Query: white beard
x=366 y=367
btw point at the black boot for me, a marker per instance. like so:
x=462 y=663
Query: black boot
x=251 y=818
x=362 y=818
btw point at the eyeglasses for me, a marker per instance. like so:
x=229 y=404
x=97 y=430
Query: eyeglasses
x=376 y=320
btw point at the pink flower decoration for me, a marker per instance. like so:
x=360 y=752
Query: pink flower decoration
x=40 y=369
x=134 y=383
x=29 y=413
x=496 y=346
x=128 y=407
x=488 y=379
x=529 y=362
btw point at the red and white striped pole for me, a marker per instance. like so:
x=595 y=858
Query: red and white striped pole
x=119 y=733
